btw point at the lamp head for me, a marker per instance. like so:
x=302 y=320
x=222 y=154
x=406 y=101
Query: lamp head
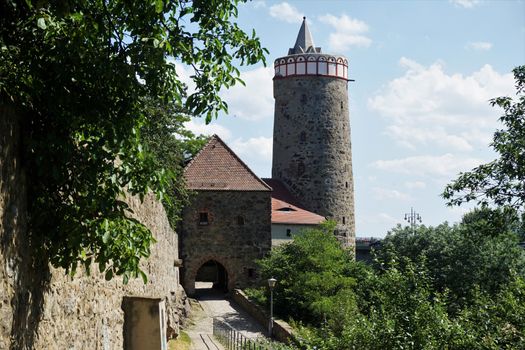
x=271 y=282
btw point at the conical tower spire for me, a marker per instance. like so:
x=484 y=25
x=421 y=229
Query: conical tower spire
x=304 y=42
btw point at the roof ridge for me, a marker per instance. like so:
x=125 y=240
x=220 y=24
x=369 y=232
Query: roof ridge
x=215 y=140
x=241 y=161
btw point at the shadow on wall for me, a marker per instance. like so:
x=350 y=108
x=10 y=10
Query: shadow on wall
x=25 y=272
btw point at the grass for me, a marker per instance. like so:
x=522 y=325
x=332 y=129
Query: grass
x=182 y=342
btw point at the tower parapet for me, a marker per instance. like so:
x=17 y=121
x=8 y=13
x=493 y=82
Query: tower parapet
x=311 y=138
x=311 y=64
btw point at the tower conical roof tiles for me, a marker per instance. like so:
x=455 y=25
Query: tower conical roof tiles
x=304 y=42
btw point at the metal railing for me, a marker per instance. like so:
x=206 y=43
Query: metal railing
x=232 y=339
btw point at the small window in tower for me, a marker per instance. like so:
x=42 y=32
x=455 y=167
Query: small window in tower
x=302 y=136
x=251 y=273
x=344 y=220
x=288 y=232
x=300 y=168
x=342 y=105
x=203 y=218
x=304 y=99
x=240 y=220
x=346 y=184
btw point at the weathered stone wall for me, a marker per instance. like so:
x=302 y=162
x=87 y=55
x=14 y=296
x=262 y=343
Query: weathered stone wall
x=42 y=308
x=235 y=246
x=311 y=147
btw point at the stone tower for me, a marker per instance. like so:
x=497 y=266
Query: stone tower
x=311 y=135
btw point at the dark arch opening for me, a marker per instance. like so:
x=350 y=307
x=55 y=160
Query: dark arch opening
x=215 y=274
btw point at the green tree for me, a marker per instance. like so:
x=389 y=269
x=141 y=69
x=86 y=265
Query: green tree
x=83 y=76
x=502 y=181
x=172 y=146
x=449 y=287
x=401 y=312
x=314 y=276
x=479 y=254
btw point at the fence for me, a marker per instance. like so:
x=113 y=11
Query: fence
x=234 y=340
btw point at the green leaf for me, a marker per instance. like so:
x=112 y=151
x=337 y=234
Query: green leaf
x=41 y=23
x=105 y=237
x=159 y=5
x=144 y=276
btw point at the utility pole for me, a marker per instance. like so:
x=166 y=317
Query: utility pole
x=412 y=218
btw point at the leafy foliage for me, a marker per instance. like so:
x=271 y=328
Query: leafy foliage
x=501 y=181
x=476 y=255
x=84 y=76
x=459 y=287
x=172 y=146
x=312 y=274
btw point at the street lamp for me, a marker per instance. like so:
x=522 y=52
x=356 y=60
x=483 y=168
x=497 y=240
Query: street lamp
x=412 y=219
x=271 y=283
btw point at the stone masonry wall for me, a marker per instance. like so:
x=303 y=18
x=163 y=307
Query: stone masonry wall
x=311 y=147
x=235 y=246
x=41 y=307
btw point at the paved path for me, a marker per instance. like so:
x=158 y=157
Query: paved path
x=209 y=304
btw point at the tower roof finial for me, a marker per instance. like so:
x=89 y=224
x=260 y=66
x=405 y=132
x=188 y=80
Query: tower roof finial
x=304 y=42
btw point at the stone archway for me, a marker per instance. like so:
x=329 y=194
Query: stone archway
x=214 y=272
x=226 y=275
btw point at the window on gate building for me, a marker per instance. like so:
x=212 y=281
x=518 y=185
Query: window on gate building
x=203 y=218
x=240 y=220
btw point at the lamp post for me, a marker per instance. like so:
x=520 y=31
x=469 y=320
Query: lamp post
x=271 y=284
x=412 y=219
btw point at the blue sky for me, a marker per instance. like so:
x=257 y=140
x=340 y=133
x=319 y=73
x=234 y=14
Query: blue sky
x=424 y=72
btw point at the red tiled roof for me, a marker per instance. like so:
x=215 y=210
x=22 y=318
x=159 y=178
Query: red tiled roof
x=217 y=168
x=286 y=209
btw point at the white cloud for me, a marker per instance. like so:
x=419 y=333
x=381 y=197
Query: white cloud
x=479 y=46
x=428 y=107
x=259 y=4
x=387 y=219
x=286 y=12
x=260 y=147
x=465 y=3
x=388 y=194
x=444 y=166
x=255 y=100
x=415 y=185
x=348 y=32
x=199 y=127
x=184 y=73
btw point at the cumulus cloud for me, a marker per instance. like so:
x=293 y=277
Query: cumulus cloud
x=415 y=185
x=429 y=107
x=443 y=166
x=348 y=32
x=286 y=12
x=465 y=3
x=479 y=46
x=199 y=127
x=389 y=194
x=387 y=219
x=184 y=73
x=255 y=100
x=259 y=4
x=255 y=147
